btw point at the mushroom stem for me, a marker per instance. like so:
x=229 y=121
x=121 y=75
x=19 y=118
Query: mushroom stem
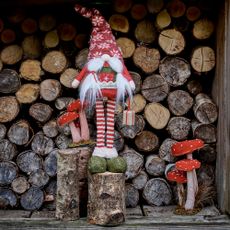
x=75 y=132
x=84 y=126
x=180 y=192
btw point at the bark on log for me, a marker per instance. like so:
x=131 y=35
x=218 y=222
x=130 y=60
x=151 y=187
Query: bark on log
x=9 y=81
x=194 y=87
x=145 y=32
x=140 y=180
x=50 y=129
x=8 y=172
x=118 y=141
x=121 y=6
x=175 y=70
x=147 y=59
x=2 y=131
x=163 y=19
x=67 y=201
x=203 y=59
x=40 y=112
x=38 y=178
x=193 y=13
x=165 y=150
x=154 y=6
x=28 y=161
x=7 y=198
x=119 y=23
x=157 y=115
x=137 y=80
x=29 y=26
x=28 y=93
x=146 y=141
x=179 y=128
x=11 y=54
x=138 y=103
x=68 y=76
x=155 y=88
x=106 y=205
x=135 y=162
x=131 y=196
x=62 y=102
x=32 y=47
x=157 y=192
x=203 y=29
x=20 y=185
x=47 y=22
x=81 y=58
x=62 y=141
x=207 y=154
x=9 y=108
x=127 y=46
x=138 y=11
x=204 y=109
x=155 y=166
x=176 y=8
x=50 y=163
x=179 y=102
x=31 y=70
x=171 y=41
x=51 y=39
x=66 y=32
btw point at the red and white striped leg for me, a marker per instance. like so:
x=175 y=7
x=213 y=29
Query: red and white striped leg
x=100 y=122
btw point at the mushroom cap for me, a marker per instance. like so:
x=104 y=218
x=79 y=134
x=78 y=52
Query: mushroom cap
x=177 y=176
x=66 y=118
x=187 y=164
x=74 y=106
x=186 y=147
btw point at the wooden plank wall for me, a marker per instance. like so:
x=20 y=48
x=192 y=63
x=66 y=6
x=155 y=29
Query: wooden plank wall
x=221 y=93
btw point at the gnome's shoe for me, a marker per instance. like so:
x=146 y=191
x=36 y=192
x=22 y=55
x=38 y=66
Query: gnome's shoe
x=97 y=165
x=116 y=165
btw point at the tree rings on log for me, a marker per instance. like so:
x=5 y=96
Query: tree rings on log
x=157 y=192
x=127 y=46
x=147 y=59
x=9 y=81
x=137 y=80
x=119 y=23
x=171 y=41
x=68 y=76
x=8 y=172
x=32 y=199
x=163 y=19
x=175 y=70
x=29 y=26
x=194 y=87
x=50 y=129
x=203 y=29
x=9 y=108
x=157 y=115
x=165 y=150
x=2 y=131
x=138 y=11
x=28 y=93
x=11 y=54
x=31 y=70
x=20 y=185
x=8 y=150
x=54 y=62
x=193 y=13
x=180 y=102
x=32 y=47
x=66 y=32
x=8 y=198
x=51 y=39
x=140 y=180
x=81 y=58
x=40 y=112
x=131 y=196
x=155 y=88
x=176 y=8
x=38 y=178
x=138 y=103
x=154 y=165
x=47 y=22
x=203 y=59
x=50 y=163
x=62 y=141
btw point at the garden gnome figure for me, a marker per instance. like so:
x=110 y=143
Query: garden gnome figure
x=103 y=79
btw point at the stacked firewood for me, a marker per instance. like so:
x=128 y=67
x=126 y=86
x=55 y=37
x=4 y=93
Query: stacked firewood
x=168 y=47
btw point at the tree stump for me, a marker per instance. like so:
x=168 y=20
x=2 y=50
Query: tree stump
x=40 y=112
x=11 y=54
x=127 y=46
x=32 y=47
x=67 y=200
x=50 y=163
x=20 y=185
x=165 y=150
x=140 y=180
x=7 y=198
x=138 y=103
x=119 y=23
x=131 y=196
x=8 y=172
x=145 y=32
x=203 y=29
x=154 y=165
x=8 y=150
x=50 y=129
x=31 y=70
x=28 y=93
x=106 y=205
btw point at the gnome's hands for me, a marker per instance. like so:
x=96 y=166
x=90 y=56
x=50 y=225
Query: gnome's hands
x=132 y=85
x=75 y=83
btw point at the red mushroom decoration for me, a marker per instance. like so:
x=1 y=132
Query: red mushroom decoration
x=189 y=165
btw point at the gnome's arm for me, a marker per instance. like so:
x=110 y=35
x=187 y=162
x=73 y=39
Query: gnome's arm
x=127 y=75
x=79 y=77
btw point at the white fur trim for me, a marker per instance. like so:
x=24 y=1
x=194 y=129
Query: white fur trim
x=99 y=151
x=116 y=64
x=75 y=83
x=110 y=153
x=95 y=64
x=132 y=85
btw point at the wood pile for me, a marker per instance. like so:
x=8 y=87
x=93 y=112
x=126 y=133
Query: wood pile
x=168 y=47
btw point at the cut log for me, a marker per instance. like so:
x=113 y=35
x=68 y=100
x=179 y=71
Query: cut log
x=7 y=198
x=140 y=180
x=138 y=103
x=145 y=32
x=163 y=20
x=50 y=129
x=155 y=88
x=147 y=59
x=80 y=41
x=118 y=141
x=179 y=128
x=171 y=41
x=40 y=112
x=50 y=163
x=9 y=81
x=157 y=192
x=41 y=144
x=137 y=80
x=62 y=141
x=138 y=11
x=130 y=131
x=11 y=54
x=106 y=205
x=31 y=70
x=146 y=141
x=68 y=76
x=203 y=59
x=206 y=132
x=181 y=24
x=32 y=199
x=29 y=26
x=54 y=62
x=47 y=22
x=1 y=65
x=157 y=115
x=67 y=200
x=50 y=195
x=66 y=32
x=154 y=6
x=165 y=150
x=51 y=39
x=50 y=89
x=155 y=166
x=62 y=102
x=204 y=109
x=207 y=154
x=2 y=131
x=179 y=102
x=38 y=178
x=135 y=162
x=127 y=46
x=176 y=8
x=20 y=185
x=9 y=108
x=193 y=13
x=194 y=87
x=206 y=174
x=119 y=23
x=51 y=188
x=32 y=47
x=28 y=161
x=8 y=172
x=121 y=6
x=81 y=58
x=175 y=70
x=16 y=15
x=8 y=36
x=131 y=196
x=28 y=93
x=203 y=29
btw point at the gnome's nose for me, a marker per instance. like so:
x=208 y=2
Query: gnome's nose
x=105 y=57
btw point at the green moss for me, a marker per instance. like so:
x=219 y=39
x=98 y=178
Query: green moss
x=97 y=165
x=117 y=165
